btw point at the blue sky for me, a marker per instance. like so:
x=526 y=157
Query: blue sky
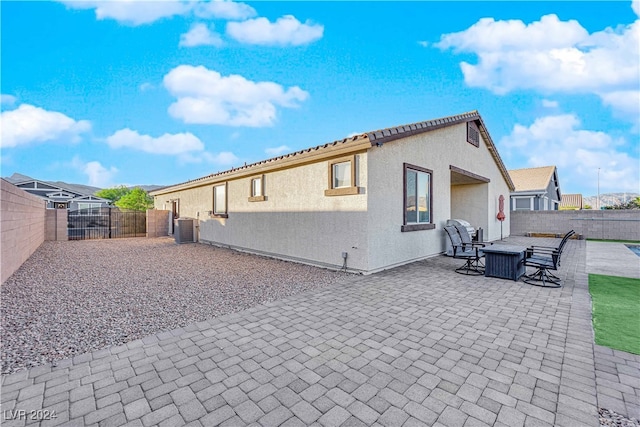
x=132 y=92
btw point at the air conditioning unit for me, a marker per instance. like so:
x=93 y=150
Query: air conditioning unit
x=183 y=232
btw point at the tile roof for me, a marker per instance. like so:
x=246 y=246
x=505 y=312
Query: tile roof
x=377 y=137
x=532 y=179
x=389 y=134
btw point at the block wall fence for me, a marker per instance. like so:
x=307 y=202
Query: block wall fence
x=592 y=224
x=22 y=227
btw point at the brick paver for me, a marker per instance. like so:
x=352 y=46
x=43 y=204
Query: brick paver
x=417 y=345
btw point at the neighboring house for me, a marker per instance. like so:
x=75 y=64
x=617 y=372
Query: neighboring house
x=380 y=198
x=60 y=197
x=537 y=189
x=571 y=202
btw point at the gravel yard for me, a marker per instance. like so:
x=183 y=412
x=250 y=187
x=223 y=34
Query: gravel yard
x=72 y=297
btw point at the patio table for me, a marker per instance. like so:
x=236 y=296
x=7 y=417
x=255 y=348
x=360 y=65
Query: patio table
x=504 y=261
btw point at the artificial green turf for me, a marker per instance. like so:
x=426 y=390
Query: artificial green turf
x=614 y=241
x=616 y=311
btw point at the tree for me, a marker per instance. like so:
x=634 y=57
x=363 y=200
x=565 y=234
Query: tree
x=114 y=194
x=136 y=200
x=631 y=204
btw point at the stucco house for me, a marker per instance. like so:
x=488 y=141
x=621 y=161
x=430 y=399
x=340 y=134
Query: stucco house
x=537 y=189
x=380 y=198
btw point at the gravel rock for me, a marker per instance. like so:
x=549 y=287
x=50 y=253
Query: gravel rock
x=612 y=419
x=72 y=297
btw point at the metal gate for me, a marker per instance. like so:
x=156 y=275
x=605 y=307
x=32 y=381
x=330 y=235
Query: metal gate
x=105 y=223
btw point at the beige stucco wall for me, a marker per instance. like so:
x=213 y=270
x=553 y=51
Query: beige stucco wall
x=469 y=202
x=22 y=227
x=435 y=150
x=296 y=221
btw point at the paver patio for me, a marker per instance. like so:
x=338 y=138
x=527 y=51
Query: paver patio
x=416 y=345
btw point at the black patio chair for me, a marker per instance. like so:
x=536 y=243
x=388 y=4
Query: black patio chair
x=466 y=238
x=472 y=253
x=545 y=259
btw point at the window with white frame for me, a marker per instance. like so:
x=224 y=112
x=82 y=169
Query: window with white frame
x=523 y=204
x=256 y=189
x=89 y=208
x=342 y=177
x=220 y=200
x=417 y=199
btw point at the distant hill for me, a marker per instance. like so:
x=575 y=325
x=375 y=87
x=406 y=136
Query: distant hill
x=78 y=188
x=610 y=199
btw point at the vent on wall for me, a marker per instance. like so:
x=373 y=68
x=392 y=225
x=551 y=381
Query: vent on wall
x=473 y=134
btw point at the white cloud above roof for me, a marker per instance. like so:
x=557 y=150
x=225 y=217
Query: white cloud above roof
x=577 y=153
x=6 y=99
x=287 y=30
x=551 y=56
x=201 y=35
x=133 y=12
x=224 y=10
x=224 y=158
x=171 y=144
x=276 y=151
x=29 y=124
x=548 y=103
x=206 y=97
x=97 y=174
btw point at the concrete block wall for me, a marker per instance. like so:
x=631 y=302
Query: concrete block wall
x=56 y=225
x=22 y=227
x=592 y=224
x=157 y=222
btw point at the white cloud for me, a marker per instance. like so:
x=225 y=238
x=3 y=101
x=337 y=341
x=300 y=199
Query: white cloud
x=635 y=5
x=423 y=43
x=287 y=30
x=165 y=144
x=133 y=12
x=550 y=55
x=98 y=175
x=140 y=12
x=224 y=10
x=206 y=97
x=558 y=140
x=626 y=102
x=28 y=124
x=224 y=158
x=547 y=103
x=7 y=99
x=145 y=87
x=200 y=35
x=276 y=151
